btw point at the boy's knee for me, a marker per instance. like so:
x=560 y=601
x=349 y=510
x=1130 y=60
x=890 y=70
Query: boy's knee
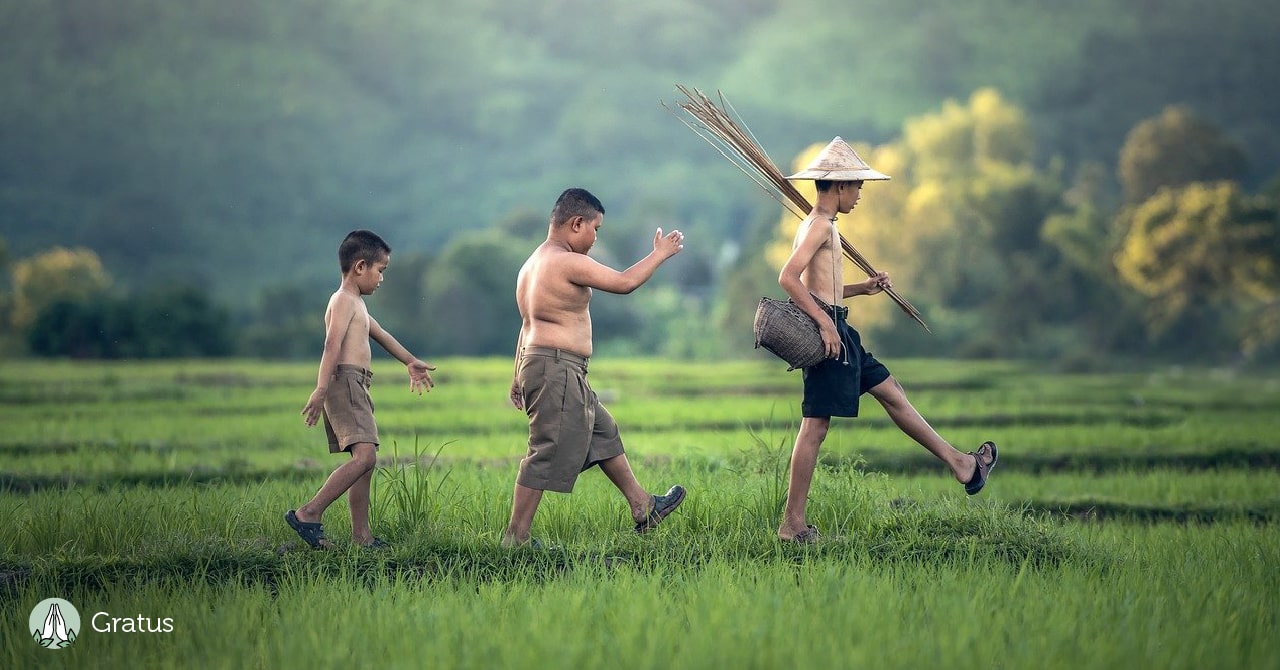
x=816 y=427
x=364 y=455
x=889 y=392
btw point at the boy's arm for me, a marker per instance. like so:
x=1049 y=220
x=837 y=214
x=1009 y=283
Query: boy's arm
x=877 y=283
x=586 y=271
x=341 y=311
x=789 y=280
x=419 y=371
x=517 y=397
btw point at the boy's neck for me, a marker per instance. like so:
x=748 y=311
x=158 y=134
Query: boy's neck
x=826 y=213
x=348 y=285
x=825 y=207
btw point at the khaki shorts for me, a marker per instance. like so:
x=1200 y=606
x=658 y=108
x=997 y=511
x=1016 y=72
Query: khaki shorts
x=348 y=409
x=569 y=430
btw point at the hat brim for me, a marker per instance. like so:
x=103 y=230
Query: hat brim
x=841 y=175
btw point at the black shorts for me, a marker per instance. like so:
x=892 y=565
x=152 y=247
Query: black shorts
x=832 y=387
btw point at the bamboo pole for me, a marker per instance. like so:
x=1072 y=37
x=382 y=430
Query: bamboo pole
x=729 y=135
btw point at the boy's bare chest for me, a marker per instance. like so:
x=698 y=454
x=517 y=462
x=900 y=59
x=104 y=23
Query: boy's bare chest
x=824 y=275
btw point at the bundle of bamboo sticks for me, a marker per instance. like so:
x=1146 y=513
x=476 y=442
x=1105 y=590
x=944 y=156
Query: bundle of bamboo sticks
x=729 y=135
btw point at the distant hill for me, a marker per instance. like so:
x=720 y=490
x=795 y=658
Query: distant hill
x=233 y=142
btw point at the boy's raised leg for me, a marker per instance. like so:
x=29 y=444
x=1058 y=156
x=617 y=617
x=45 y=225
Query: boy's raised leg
x=647 y=510
x=618 y=470
x=894 y=400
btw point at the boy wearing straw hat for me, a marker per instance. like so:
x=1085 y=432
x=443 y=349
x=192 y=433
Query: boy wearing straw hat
x=569 y=430
x=813 y=278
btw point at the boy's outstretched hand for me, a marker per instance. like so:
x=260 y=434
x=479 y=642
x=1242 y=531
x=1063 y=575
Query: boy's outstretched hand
x=419 y=376
x=668 y=245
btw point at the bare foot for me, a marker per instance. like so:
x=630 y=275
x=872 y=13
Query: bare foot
x=510 y=541
x=307 y=516
x=806 y=535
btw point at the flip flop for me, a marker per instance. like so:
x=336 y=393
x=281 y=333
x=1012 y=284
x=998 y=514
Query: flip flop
x=311 y=533
x=809 y=535
x=981 y=470
x=662 y=506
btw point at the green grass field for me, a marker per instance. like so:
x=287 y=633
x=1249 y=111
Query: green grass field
x=1132 y=521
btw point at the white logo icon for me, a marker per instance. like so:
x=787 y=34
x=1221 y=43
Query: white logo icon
x=54 y=623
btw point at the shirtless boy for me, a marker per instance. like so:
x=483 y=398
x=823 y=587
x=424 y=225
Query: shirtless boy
x=342 y=390
x=811 y=277
x=569 y=430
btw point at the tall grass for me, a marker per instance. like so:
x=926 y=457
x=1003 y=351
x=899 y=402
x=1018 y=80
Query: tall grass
x=1176 y=598
x=157 y=489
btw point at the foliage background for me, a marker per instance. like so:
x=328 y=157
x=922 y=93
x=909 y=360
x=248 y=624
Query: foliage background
x=225 y=147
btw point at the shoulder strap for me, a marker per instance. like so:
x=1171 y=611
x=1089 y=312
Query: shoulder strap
x=836 y=290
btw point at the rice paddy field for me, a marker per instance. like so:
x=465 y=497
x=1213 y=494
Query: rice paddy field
x=1132 y=522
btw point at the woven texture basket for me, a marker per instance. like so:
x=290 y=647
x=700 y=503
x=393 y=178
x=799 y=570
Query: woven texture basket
x=784 y=329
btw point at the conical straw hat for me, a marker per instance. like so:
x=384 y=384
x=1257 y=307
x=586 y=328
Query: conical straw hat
x=839 y=162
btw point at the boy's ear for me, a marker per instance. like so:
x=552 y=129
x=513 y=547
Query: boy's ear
x=575 y=223
x=360 y=265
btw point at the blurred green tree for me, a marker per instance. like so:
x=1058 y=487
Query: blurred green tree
x=400 y=305
x=1200 y=251
x=1146 y=55
x=5 y=298
x=173 y=322
x=958 y=225
x=469 y=295
x=286 y=322
x=1176 y=148
x=56 y=275
x=181 y=321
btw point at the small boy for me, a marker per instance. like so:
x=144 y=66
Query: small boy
x=342 y=390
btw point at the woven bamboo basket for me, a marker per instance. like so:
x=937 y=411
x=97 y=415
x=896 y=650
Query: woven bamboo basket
x=784 y=329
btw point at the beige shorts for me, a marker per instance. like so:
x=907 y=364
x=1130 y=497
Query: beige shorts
x=569 y=430
x=348 y=409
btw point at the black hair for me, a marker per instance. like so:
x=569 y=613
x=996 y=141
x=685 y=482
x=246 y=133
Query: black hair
x=361 y=245
x=575 y=202
x=824 y=185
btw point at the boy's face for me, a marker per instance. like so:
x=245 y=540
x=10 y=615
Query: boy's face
x=369 y=275
x=850 y=192
x=585 y=232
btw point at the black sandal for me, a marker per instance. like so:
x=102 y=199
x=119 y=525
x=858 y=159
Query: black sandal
x=662 y=506
x=311 y=533
x=377 y=543
x=980 y=470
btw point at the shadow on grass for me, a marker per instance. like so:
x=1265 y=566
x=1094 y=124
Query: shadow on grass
x=1088 y=509
x=1097 y=460
x=897 y=461
x=941 y=533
